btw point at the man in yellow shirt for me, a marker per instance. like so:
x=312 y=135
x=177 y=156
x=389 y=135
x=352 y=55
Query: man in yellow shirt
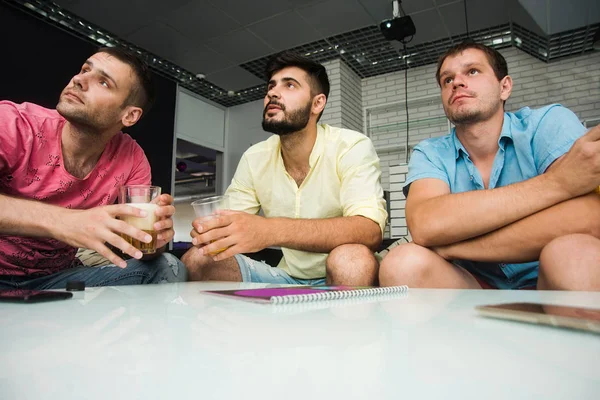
x=318 y=187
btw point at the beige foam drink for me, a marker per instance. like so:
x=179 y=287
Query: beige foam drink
x=145 y=224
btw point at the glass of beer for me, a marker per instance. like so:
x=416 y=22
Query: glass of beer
x=144 y=197
x=207 y=208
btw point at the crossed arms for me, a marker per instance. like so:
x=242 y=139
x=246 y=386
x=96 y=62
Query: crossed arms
x=511 y=223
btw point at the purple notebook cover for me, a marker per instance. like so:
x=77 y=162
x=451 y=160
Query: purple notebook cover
x=265 y=294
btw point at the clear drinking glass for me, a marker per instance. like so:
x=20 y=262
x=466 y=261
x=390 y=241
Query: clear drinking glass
x=207 y=208
x=144 y=197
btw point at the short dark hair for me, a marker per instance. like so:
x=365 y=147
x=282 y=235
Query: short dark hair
x=496 y=60
x=143 y=93
x=317 y=74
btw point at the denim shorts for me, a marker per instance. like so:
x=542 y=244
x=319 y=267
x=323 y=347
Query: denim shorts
x=260 y=271
x=502 y=276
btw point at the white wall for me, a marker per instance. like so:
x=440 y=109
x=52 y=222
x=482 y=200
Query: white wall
x=199 y=122
x=243 y=129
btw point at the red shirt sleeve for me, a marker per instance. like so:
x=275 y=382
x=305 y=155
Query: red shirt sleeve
x=16 y=135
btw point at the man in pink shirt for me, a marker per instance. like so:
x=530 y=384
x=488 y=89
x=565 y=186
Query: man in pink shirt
x=60 y=172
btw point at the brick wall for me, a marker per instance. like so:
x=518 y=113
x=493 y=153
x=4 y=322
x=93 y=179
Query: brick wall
x=333 y=110
x=344 y=105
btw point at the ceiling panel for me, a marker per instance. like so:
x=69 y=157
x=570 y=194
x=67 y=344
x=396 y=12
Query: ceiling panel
x=565 y=15
x=118 y=17
x=203 y=60
x=429 y=27
x=483 y=14
x=349 y=14
x=200 y=21
x=415 y=6
x=163 y=40
x=594 y=13
x=248 y=12
x=453 y=16
x=285 y=31
x=444 y=2
x=234 y=78
x=520 y=16
x=240 y=46
x=538 y=11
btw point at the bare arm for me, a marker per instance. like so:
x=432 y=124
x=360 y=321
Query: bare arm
x=91 y=229
x=523 y=240
x=28 y=218
x=436 y=218
x=324 y=235
x=247 y=233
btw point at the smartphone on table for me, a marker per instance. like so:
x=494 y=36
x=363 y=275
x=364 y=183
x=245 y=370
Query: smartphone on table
x=32 y=296
x=582 y=318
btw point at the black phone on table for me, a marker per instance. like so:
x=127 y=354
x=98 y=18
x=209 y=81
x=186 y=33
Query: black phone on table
x=32 y=296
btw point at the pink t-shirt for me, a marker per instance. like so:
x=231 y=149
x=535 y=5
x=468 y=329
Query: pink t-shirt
x=31 y=167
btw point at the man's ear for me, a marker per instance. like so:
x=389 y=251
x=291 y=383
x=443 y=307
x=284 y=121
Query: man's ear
x=319 y=102
x=131 y=116
x=506 y=85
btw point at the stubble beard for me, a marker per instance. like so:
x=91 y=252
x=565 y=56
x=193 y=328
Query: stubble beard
x=293 y=121
x=87 y=121
x=472 y=115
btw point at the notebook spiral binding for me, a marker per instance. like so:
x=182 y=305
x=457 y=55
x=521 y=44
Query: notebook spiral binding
x=294 y=308
x=338 y=294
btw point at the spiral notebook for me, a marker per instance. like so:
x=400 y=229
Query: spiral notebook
x=302 y=294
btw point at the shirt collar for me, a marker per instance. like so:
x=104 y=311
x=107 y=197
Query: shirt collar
x=317 y=149
x=505 y=134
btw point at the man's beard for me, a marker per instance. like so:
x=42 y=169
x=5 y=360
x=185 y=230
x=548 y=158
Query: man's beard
x=293 y=122
x=466 y=117
x=94 y=123
x=477 y=113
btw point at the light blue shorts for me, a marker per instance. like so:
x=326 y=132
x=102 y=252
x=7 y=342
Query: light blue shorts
x=260 y=271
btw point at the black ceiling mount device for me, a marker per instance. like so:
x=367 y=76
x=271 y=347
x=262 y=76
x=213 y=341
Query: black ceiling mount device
x=399 y=27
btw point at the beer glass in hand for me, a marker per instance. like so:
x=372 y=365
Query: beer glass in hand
x=144 y=197
x=206 y=209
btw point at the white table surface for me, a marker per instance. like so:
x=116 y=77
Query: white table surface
x=172 y=342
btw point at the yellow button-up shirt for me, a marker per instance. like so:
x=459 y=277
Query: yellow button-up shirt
x=344 y=180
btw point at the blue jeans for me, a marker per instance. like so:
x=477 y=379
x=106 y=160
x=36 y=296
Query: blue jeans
x=163 y=269
x=260 y=271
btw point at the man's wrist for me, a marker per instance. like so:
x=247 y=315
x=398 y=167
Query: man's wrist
x=553 y=184
x=53 y=224
x=271 y=232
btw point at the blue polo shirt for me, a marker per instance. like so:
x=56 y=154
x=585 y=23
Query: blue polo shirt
x=530 y=141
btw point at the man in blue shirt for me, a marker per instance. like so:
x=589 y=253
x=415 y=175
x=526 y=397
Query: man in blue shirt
x=483 y=201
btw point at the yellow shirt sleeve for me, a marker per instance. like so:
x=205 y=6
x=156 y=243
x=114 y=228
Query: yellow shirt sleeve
x=241 y=192
x=360 y=174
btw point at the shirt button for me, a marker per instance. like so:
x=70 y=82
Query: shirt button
x=471 y=177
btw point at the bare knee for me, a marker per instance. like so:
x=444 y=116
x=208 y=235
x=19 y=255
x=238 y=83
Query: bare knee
x=405 y=264
x=195 y=263
x=351 y=264
x=570 y=262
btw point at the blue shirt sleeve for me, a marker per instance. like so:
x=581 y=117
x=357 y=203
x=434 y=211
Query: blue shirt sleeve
x=556 y=132
x=422 y=166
